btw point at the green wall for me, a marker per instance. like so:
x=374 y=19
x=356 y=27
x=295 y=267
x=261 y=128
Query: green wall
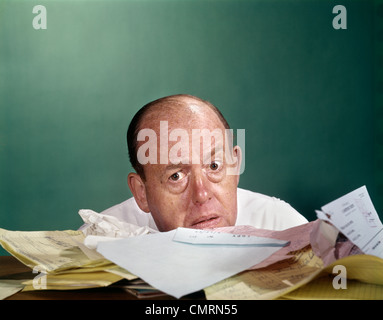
x=303 y=91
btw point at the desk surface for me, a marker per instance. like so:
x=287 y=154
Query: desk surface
x=11 y=268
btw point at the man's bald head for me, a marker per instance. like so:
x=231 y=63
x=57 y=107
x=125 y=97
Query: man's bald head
x=162 y=109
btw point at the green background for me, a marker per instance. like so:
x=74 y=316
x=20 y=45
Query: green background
x=308 y=96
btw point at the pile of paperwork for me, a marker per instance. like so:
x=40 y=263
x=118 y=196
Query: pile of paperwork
x=183 y=261
x=59 y=259
x=239 y=262
x=364 y=281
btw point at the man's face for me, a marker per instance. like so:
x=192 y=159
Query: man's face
x=195 y=187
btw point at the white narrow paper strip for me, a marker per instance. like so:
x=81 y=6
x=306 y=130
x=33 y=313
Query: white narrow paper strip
x=196 y=236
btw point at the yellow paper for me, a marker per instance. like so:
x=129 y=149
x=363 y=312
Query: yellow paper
x=364 y=281
x=9 y=287
x=121 y=272
x=270 y=282
x=50 y=251
x=322 y=289
x=57 y=260
x=363 y=267
x=70 y=281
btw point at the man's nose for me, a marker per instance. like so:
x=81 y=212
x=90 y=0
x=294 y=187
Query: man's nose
x=201 y=190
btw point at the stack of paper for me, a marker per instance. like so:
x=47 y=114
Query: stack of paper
x=304 y=276
x=184 y=260
x=269 y=282
x=240 y=262
x=58 y=259
x=139 y=288
x=364 y=281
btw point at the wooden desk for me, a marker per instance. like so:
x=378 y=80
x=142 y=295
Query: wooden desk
x=11 y=268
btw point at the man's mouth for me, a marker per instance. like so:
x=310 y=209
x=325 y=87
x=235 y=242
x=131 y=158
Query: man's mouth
x=208 y=222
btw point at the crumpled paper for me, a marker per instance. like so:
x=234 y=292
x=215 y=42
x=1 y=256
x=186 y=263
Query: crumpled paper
x=329 y=244
x=101 y=227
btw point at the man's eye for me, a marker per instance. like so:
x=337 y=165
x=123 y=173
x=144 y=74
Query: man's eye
x=176 y=176
x=214 y=166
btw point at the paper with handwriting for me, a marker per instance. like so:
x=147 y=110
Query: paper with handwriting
x=355 y=216
x=196 y=236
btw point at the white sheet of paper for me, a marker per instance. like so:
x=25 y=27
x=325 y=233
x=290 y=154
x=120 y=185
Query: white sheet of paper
x=178 y=268
x=196 y=236
x=355 y=216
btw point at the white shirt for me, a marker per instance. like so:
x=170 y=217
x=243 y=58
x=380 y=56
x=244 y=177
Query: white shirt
x=254 y=209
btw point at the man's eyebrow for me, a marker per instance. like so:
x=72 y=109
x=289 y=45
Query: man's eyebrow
x=211 y=154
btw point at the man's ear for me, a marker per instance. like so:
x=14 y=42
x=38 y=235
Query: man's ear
x=137 y=187
x=237 y=153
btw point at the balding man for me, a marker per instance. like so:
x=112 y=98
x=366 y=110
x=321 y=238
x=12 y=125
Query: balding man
x=182 y=180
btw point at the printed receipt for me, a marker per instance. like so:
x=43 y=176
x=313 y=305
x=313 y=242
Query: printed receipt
x=196 y=236
x=355 y=216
